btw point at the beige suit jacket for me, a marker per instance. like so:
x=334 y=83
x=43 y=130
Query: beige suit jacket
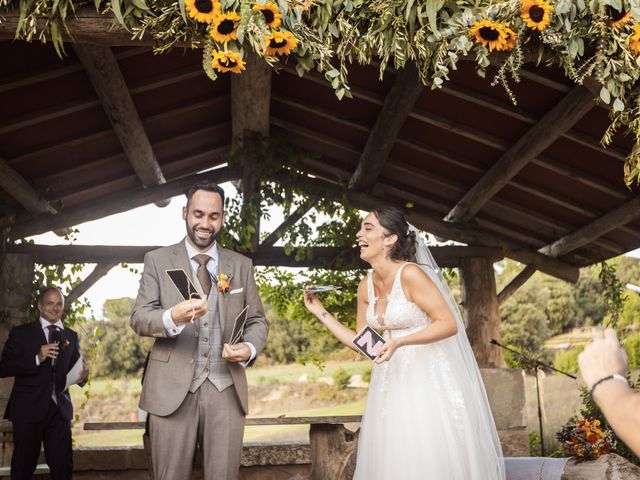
x=172 y=360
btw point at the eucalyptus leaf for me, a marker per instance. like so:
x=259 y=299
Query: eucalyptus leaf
x=605 y=96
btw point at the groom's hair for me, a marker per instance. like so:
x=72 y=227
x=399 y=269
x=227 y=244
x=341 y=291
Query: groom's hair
x=207 y=186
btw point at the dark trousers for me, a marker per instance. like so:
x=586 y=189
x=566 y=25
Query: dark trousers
x=55 y=432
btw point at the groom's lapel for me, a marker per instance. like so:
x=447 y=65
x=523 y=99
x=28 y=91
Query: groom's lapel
x=224 y=266
x=181 y=259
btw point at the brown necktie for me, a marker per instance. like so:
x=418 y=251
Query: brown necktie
x=52 y=329
x=202 y=273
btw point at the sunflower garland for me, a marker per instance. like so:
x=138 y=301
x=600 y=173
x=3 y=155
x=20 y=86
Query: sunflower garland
x=617 y=18
x=272 y=16
x=204 y=11
x=634 y=39
x=536 y=13
x=227 y=62
x=490 y=34
x=279 y=43
x=225 y=27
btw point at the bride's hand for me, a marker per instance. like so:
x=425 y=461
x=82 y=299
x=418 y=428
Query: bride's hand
x=313 y=304
x=386 y=351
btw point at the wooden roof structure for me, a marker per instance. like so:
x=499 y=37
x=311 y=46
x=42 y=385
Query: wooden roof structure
x=112 y=126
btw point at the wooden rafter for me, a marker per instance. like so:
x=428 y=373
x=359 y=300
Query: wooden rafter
x=462 y=130
x=109 y=255
x=104 y=73
x=462 y=233
x=16 y=186
x=398 y=103
x=117 y=203
x=348 y=151
x=617 y=217
x=293 y=218
x=558 y=120
x=100 y=270
x=34 y=118
x=516 y=113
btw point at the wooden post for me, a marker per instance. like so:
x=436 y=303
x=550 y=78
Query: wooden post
x=333 y=452
x=480 y=303
x=16 y=279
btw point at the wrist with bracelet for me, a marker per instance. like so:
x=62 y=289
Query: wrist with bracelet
x=615 y=376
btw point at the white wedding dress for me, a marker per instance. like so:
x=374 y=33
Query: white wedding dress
x=427 y=415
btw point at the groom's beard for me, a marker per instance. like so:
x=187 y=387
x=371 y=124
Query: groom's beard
x=199 y=242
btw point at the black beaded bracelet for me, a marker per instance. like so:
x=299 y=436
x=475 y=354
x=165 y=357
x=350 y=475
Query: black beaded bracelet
x=615 y=376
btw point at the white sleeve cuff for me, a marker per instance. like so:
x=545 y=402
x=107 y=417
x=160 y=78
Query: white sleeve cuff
x=38 y=360
x=169 y=325
x=252 y=356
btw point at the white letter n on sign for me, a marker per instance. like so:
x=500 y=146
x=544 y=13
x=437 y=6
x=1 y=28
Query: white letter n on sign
x=366 y=342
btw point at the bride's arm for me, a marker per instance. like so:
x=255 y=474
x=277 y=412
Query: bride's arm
x=340 y=331
x=420 y=289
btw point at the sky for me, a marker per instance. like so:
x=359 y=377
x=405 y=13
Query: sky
x=148 y=225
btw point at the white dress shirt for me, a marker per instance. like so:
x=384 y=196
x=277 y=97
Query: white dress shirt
x=45 y=328
x=212 y=266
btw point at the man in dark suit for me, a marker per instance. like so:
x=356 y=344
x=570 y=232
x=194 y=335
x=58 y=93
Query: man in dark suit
x=39 y=355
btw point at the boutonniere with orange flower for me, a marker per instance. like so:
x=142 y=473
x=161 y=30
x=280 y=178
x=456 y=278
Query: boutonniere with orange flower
x=222 y=282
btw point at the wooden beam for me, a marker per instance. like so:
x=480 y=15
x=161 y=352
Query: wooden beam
x=462 y=233
x=516 y=113
x=100 y=270
x=519 y=280
x=470 y=133
x=118 y=202
x=293 y=218
x=16 y=186
x=558 y=120
x=250 y=114
x=104 y=73
x=348 y=152
x=617 y=217
x=322 y=257
x=621 y=215
x=86 y=26
x=400 y=100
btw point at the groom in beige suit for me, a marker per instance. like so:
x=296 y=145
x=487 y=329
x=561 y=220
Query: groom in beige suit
x=195 y=388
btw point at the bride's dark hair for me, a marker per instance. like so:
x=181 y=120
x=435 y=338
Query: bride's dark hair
x=394 y=222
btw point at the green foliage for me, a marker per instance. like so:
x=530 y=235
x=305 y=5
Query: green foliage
x=535 y=445
x=341 y=379
x=631 y=345
x=613 y=292
x=123 y=352
x=567 y=360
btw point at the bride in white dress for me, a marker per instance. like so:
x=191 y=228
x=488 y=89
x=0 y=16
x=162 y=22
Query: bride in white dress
x=427 y=416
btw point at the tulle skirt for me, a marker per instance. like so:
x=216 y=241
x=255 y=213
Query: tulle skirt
x=417 y=425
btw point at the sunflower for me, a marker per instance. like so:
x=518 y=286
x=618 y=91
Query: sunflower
x=271 y=14
x=536 y=13
x=510 y=41
x=225 y=27
x=279 y=43
x=490 y=34
x=203 y=10
x=227 y=62
x=634 y=39
x=617 y=18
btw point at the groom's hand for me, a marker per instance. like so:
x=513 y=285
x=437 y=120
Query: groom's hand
x=239 y=352
x=189 y=310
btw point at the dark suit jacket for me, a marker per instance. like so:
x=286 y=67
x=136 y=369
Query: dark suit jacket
x=31 y=394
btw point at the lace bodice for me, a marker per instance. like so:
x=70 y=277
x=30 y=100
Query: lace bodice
x=400 y=313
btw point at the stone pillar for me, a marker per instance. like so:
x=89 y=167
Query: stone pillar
x=480 y=304
x=16 y=278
